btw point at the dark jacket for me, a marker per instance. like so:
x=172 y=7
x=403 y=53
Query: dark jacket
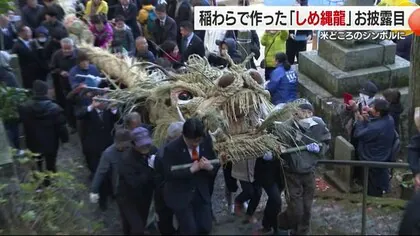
x=135 y=175
x=233 y=52
x=45 y=125
x=196 y=46
x=125 y=37
x=130 y=17
x=180 y=185
x=30 y=63
x=183 y=11
x=144 y=56
x=404 y=47
x=167 y=32
x=56 y=26
x=375 y=143
x=414 y=154
x=32 y=16
x=6 y=38
x=395 y=111
x=108 y=167
x=60 y=63
x=410 y=221
x=245 y=49
x=283 y=85
x=98 y=133
x=270 y=172
x=303 y=162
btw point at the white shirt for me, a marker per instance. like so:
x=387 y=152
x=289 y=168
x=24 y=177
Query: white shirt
x=210 y=39
x=189 y=40
x=191 y=150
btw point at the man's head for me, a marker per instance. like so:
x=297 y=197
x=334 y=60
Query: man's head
x=380 y=108
x=24 y=32
x=392 y=95
x=32 y=3
x=125 y=2
x=83 y=60
x=4 y=21
x=161 y=11
x=142 y=140
x=51 y=15
x=97 y=2
x=174 y=131
x=132 y=120
x=67 y=46
x=39 y=88
x=141 y=44
x=119 y=22
x=193 y=132
x=186 y=28
x=122 y=139
x=48 y=2
x=369 y=89
x=305 y=110
x=98 y=22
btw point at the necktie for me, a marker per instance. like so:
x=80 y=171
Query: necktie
x=162 y=23
x=194 y=154
x=185 y=43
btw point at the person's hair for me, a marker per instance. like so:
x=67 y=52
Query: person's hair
x=281 y=57
x=168 y=46
x=161 y=8
x=130 y=117
x=119 y=18
x=67 y=40
x=187 y=25
x=51 y=11
x=381 y=106
x=393 y=96
x=20 y=28
x=82 y=56
x=193 y=128
x=98 y=19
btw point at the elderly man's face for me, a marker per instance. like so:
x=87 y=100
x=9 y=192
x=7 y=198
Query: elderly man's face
x=67 y=49
x=161 y=15
x=125 y=2
x=303 y=114
x=141 y=45
x=26 y=33
x=4 y=21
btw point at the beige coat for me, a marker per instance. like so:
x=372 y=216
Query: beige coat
x=244 y=170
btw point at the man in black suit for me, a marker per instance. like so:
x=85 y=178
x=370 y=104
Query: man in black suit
x=187 y=191
x=297 y=41
x=190 y=43
x=129 y=11
x=98 y=123
x=29 y=61
x=166 y=28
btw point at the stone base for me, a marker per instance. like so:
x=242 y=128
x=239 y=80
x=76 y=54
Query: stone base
x=338 y=82
x=358 y=57
x=336 y=181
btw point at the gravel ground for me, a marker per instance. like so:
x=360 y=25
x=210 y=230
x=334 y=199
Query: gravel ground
x=329 y=216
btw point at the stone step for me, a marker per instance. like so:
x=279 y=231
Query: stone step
x=337 y=82
x=359 y=56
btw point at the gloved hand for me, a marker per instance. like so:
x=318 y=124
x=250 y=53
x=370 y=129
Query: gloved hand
x=151 y=161
x=313 y=147
x=94 y=197
x=268 y=156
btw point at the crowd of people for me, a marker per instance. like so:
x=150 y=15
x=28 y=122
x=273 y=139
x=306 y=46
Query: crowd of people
x=121 y=157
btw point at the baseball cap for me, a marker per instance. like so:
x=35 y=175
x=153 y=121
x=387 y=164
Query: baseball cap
x=141 y=137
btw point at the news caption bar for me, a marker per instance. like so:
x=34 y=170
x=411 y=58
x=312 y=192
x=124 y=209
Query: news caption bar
x=302 y=18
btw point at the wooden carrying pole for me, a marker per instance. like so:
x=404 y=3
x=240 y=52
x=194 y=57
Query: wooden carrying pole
x=217 y=161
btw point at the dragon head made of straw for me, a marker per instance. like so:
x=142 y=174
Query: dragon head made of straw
x=231 y=102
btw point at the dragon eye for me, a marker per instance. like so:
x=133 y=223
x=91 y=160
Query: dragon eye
x=185 y=96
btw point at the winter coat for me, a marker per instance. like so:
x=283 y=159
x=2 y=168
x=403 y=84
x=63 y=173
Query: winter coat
x=102 y=38
x=125 y=37
x=44 y=123
x=303 y=162
x=283 y=85
x=414 y=154
x=395 y=111
x=102 y=8
x=233 y=52
x=278 y=44
x=244 y=170
x=404 y=47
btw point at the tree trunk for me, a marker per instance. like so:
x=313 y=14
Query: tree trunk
x=414 y=83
